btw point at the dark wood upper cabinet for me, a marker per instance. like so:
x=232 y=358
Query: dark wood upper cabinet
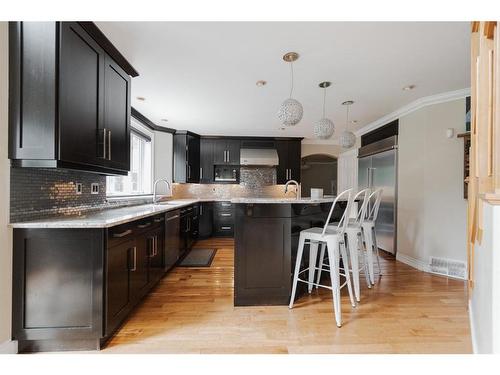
x=69 y=99
x=206 y=161
x=186 y=157
x=289 y=154
x=226 y=151
x=117 y=115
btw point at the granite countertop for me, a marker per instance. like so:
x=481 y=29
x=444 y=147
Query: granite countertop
x=110 y=217
x=327 y=199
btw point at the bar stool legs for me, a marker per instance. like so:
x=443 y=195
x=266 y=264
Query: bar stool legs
x=352 y=239
x=313 y=257
x=332 y=248
x=347 y=274
x=300 y=251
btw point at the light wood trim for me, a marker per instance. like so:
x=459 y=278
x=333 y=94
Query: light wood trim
x=489 y=29
x=491 y=89
x=475 y=26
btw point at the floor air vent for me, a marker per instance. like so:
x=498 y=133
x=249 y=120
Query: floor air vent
x=447 y=267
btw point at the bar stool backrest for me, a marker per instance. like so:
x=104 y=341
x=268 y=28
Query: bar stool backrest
x=361 y=214
x=372 y=212
x=344 y=220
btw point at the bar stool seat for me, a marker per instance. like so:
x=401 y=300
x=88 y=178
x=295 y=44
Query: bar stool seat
x=333 y=239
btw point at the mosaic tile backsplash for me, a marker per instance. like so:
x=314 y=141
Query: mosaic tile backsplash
x=37 y=193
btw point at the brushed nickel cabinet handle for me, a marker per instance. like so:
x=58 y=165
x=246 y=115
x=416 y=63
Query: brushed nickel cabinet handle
x=122 y=234
x=158 y=219
x=109 y=144
x=144 y=225
x=134 y=268
x=104 y=132
x=201 y=173
x=172 y=217
x=226 y=228
x=223 y=214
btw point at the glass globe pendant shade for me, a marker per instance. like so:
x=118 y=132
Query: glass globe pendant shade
x=347 y=139
x=290 y=112
x=324 y=128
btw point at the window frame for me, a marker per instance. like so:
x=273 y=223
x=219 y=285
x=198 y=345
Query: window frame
x=141 y=131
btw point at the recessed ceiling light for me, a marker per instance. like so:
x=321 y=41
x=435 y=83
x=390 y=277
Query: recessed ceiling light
x=261 y=83
x=141 y=98
x=164 y=120
x=354 y=122
x=409 y=88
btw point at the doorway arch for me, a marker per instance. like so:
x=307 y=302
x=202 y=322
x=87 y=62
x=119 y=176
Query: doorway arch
x=319 y=171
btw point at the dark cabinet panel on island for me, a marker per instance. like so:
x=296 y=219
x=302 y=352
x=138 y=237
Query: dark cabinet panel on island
x=69 y=101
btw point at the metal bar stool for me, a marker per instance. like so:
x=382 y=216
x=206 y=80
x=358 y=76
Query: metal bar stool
x=354 y=236
x=335 y=244
x=369 y=235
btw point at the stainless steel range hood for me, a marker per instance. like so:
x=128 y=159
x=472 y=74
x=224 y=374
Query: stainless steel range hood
x=261 y=156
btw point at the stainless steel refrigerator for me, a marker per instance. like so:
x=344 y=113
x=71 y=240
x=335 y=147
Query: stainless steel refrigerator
x=377 y=168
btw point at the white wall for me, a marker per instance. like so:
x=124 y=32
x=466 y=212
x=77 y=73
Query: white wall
x=431 y=209
x=163 y=159
x=484 y=304
x=5 y=233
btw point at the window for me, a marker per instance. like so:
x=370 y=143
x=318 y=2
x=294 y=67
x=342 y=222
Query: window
x=139 y=179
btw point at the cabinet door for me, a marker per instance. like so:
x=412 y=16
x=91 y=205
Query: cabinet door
x=117 y=281
x=116 y=115
x=193 y=159
x=282 y=168
x=81 y=96
x=206 y=161
x=172 y=239
x=220 y=155
x=155 y=243
x=233 y=151
x=255 y=281
x=139 y=267
x=180 y=158
x=294 y=160
x=206 y=221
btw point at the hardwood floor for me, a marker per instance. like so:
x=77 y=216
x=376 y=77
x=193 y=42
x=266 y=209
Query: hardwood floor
x=191 y=311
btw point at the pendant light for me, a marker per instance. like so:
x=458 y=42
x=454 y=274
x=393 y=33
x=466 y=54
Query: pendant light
x=324 y=128
x=290 y=112
x=347 y=138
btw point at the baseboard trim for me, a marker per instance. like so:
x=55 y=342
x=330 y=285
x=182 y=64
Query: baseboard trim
x=413 y=262
x=472 y=329
x=8 y=347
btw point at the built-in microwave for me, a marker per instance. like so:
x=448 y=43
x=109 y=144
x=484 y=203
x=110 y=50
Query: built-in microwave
x=227 y=173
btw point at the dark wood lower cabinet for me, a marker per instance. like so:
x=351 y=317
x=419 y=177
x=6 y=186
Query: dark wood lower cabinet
x=72 y=288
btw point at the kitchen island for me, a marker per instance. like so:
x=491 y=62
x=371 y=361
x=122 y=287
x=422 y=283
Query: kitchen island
x=266 y=239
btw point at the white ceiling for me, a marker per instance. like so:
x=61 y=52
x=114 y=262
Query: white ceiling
x=201 y=76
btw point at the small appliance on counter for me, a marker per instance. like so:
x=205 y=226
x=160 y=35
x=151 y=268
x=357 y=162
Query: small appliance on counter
x=316 y=193
x=227 y=173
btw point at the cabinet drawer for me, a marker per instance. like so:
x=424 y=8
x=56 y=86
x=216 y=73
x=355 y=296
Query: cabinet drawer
x=224 y=215
x=223 y=206
x=224 y=229
x=121 y=233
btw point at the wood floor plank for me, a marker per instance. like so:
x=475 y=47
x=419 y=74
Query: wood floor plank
x=191 y=311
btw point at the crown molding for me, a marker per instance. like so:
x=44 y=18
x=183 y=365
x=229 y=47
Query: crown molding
x=413 y=106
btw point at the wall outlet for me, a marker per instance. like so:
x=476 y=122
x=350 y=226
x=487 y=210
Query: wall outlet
x=78 y=188
x=94 y=188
